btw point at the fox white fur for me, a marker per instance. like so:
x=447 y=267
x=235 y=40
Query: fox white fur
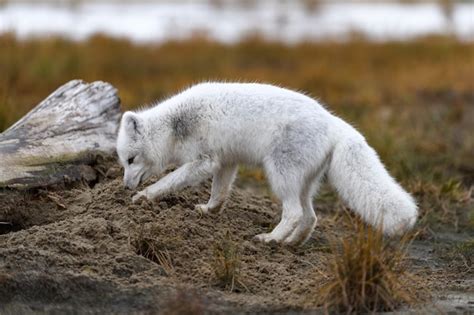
x=211 y=128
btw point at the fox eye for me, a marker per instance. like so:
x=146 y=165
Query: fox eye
x=130 y=160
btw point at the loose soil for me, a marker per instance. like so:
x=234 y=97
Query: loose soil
x=76 y=250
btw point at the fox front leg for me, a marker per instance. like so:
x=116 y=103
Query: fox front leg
x=188 y=174
x=221 y=184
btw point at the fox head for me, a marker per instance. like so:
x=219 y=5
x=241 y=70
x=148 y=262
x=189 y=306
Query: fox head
x=131 y=150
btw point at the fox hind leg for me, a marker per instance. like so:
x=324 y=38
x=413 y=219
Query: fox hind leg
x=303 y=231
x=291 y=217
x=295 y=186
x=288 y=187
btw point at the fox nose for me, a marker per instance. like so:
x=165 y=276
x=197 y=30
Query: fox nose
x=126 y=185
x=129 y=184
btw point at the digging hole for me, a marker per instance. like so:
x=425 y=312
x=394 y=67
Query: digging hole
x=8 y=227
x=20 y=210
x=148 y=247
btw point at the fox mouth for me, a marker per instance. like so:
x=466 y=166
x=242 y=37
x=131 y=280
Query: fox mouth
x=144 y=176
x=134 y=183
x=140 y=179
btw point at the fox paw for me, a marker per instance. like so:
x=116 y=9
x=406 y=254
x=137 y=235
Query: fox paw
x=138 y=197
x=267 y=238
x=205 y=209
x=201 y=209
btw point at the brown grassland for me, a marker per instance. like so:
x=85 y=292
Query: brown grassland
x=414 y=102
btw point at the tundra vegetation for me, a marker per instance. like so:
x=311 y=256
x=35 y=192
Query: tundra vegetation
x=414 y=102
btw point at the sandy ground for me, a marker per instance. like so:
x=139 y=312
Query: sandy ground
x=77 y=250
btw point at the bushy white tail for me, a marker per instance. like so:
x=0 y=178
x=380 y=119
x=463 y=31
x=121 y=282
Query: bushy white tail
x=365 y=185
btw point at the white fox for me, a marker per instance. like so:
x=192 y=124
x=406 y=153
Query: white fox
x=211 y=128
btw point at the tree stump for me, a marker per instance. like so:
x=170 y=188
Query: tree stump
x=58 y=140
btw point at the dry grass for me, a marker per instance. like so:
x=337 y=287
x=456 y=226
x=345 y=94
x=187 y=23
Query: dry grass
x=146 y=244
x=464 y=252
x=227 y=264
x=369 y=274
x=445 y=204
x=350 y=75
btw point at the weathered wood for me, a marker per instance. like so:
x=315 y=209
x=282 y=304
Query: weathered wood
x=56 y=140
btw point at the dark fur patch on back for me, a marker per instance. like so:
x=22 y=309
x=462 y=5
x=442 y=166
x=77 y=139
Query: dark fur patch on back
x=183 y=124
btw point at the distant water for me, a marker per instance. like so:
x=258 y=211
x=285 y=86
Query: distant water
x=230 y=21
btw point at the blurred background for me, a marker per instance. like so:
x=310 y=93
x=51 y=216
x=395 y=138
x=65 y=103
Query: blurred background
x=229 y=21
x=401 y=71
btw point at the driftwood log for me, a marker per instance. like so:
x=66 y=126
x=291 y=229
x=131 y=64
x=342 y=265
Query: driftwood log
x=57 y=140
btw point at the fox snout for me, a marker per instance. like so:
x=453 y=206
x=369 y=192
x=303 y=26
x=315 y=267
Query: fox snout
x=130 y=182
x=128 y=185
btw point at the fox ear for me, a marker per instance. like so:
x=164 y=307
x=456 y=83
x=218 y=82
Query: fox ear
x=133 y=124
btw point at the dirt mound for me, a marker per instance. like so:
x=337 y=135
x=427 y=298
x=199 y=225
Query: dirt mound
x=86 y=249
x=65 y=248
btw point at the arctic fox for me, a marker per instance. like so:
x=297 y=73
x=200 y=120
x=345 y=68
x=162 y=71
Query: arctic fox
x=211 y=128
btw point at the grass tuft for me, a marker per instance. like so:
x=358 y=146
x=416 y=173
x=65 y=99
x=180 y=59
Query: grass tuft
x=147 y=246
x=369 y=274
x=444 y=203
x=465 y=251
x=227 y=264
